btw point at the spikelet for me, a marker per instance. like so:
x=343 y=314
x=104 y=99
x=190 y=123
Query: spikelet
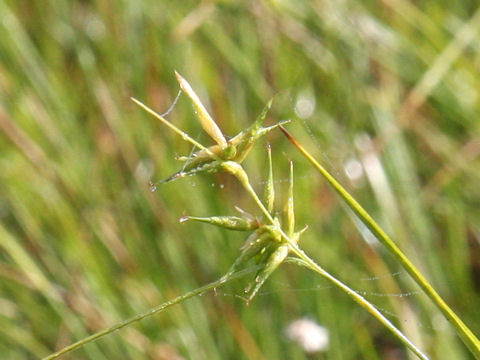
x=210 y=126
x=265 y=245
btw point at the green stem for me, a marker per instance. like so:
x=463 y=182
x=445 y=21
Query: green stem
x=305 y=260
x=199 y=291
x=467 y=336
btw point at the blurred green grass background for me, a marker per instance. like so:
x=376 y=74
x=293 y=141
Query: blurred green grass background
x=384 y=93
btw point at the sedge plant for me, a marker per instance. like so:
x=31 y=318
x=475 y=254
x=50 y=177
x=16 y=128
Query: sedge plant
x=273 y=239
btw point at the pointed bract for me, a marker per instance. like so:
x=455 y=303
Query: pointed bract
x=212 y=167
x=252 y=247
x=269 y=186
x=228 y=222
x=272 y=263
x=244 y=140
x=210 y=126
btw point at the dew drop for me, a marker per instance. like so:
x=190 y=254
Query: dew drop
x=222 y=186
x=183 y=219
x=152 y=186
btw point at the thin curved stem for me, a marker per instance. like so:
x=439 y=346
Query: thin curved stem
x=199 y=291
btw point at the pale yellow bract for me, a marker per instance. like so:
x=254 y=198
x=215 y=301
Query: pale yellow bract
x=210 y=126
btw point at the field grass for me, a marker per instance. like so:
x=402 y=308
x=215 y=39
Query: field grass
x=84 y=242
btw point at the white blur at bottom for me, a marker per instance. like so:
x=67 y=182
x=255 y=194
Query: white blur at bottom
x=311 y=336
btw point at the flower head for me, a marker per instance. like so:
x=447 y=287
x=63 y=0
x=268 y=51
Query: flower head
x=265 y=245
x=210 y=159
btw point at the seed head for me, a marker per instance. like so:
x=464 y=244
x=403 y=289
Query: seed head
x=265 y=245
x=208 y=159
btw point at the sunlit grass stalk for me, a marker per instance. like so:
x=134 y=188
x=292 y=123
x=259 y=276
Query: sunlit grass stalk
x=467 y=336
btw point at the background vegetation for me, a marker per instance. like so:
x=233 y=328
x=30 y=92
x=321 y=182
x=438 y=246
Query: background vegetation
x=384 y=93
